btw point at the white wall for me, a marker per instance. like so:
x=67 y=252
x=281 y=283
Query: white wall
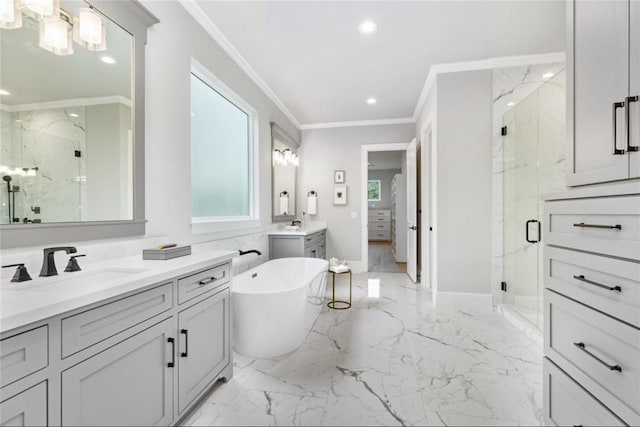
x=385 y=176
x=171 y=45
x=464 y=181
x=326 y=150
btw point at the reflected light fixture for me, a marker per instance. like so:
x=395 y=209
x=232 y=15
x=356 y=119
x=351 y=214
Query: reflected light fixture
x=10 y=15
x=108 y=60
x=89 y=30
x=285 y=157
x=371 y=101
x=41 y=9
x=547 y=75
x=4 y=92
x=511 y=104
x=56 y=35
x=367 y=27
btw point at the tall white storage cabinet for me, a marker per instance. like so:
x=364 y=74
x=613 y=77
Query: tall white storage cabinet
x=603 y=86
x=399 y=217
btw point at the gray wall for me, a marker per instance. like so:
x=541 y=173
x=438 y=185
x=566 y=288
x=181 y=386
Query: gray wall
x=385 y=176
x=326 y=150
x=464 y=181
x=171 y=45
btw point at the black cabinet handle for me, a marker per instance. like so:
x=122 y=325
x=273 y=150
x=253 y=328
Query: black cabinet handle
x=526 y=235
x=608 y=227
x=629 y=100
x=173 y=353
x=600 y=285
x=211 y=279
x=186 y=342
x=583 y=347
x=614 y=124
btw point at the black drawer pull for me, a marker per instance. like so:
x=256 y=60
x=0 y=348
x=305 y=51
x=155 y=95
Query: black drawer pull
x=608 y=227
x=600 y=285
x=583 y=347
x=211 y=279
x=173 y=353
x=186 y=342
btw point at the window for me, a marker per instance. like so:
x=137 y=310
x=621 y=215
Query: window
x=373 y=189
x=222 y=152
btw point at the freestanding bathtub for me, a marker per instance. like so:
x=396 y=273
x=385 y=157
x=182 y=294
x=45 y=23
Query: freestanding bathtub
x=276 y=304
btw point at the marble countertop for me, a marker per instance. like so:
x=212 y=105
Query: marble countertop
x=44 y=297
x=304 y=231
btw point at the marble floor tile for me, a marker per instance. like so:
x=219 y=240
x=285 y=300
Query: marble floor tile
x=392 y=360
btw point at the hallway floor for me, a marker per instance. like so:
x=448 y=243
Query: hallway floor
x=381 y=258
x=393 y=360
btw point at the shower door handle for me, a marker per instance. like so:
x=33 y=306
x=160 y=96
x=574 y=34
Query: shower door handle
x=531 y=221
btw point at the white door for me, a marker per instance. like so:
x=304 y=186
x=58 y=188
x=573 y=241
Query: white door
x=599 y=67
x=634 y=88
x=412 y=203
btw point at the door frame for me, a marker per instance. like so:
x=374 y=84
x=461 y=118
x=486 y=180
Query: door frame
x=364 y=175
x=428 y=216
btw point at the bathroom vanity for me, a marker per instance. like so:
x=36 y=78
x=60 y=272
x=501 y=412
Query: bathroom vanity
x=309 y=241
x=125 y=342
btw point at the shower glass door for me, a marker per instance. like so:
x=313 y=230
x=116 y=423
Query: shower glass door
x=521 y=200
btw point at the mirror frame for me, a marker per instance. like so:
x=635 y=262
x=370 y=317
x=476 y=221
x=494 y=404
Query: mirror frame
x=134 y=18
x=282 y=136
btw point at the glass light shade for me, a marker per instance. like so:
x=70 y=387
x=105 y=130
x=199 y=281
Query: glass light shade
x=56 y=36
x=10 y=14
x=41 y=9
x=89 y=30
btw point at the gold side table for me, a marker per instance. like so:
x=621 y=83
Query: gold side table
x=333 y=302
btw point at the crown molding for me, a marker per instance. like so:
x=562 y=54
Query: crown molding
x=67 y=103
x=401 y=121
x=205 y=22
x=483 y=64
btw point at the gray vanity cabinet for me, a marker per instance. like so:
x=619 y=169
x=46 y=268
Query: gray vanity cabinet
x=28 y=408
x=310 y=245
x=128 y=384
x=204 y=347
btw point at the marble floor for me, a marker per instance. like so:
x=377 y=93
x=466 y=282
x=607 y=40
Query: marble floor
x=392 y=360
x=381 y=258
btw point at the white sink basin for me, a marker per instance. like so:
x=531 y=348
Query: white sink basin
x=80 y=281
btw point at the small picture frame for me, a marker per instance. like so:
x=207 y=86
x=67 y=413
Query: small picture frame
x=340 y=195
x=338 y=177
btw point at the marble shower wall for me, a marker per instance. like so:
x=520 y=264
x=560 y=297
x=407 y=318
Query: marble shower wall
x=46 y=139
x=511 y=86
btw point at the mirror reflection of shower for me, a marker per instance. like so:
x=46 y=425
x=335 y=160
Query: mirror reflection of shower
x=11 y=198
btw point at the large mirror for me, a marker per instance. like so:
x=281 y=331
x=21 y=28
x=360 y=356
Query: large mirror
x=285 y=163
x=71 y=131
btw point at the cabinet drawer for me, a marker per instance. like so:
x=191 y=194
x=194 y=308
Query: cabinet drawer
x=314 y=239
x=606 y=225
x=566 y=403
x=379 y=214
x=608 y=364
x=85 y=329
x=379 y=235
x=28 y=408
x=379 y=226
x=378 y=219
x=23 y=354
x=199 y=283
x=581 y=276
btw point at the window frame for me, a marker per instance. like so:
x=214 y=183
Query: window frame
x=227 y=225
x=379 y=181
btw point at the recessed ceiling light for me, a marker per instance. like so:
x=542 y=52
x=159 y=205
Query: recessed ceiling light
x=107 y=60
x=4 y=92
x=371 y=101
x=511 y=104
x=547 y=75
x=367 y=27
x=18 y=121
x=74 y=115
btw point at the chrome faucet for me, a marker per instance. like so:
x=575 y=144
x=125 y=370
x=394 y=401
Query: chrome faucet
x=49 y=264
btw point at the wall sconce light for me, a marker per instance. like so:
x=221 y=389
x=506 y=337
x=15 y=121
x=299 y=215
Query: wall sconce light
x=58 y=28
x=285 y=157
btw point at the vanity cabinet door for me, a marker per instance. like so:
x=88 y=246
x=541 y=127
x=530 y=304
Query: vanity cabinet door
x=128 y=384
x=28 y=408
x=598 y=64
x=203 y=345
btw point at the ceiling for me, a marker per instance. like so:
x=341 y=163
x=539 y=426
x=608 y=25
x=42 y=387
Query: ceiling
x=379 y=160
x=313 y=58
x=34 y=75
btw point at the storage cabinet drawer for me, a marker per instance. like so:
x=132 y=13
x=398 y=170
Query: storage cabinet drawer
x=28 y=408
x=90 y=327
x=379 y=219
x=314 y=239
x=199 y=283
x=566 y=403
x=23 y=354
x=606 y=284
x=379 y=214
x=606 y=225
x=379 y=235
x=601 y=353
x=384 y=226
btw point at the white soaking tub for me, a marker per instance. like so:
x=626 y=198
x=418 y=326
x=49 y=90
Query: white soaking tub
x=276 y=304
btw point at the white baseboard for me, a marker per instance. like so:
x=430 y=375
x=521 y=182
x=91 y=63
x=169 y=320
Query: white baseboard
x=522 y=324
x=483 y=302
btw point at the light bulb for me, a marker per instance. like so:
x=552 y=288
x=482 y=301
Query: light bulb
x=41 y=9
x=89 y=30
x=10 y=15
x=55 y=36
